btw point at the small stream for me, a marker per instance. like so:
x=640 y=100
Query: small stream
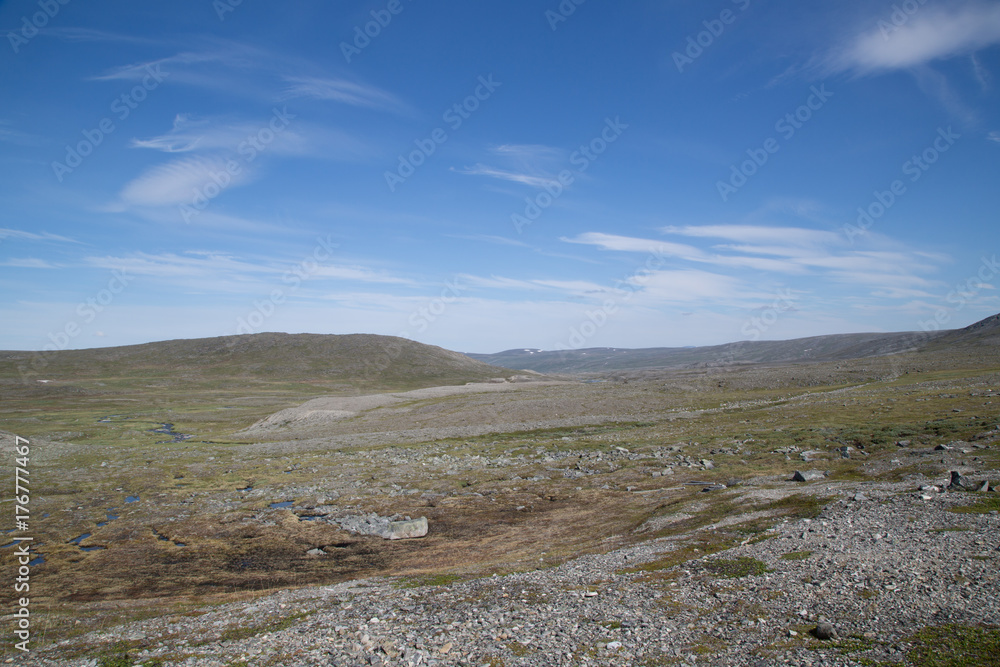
x=168 y=429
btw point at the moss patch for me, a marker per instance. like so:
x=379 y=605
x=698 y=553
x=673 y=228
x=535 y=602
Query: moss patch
x=955 y=646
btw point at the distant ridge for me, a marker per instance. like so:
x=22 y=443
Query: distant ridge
x=369 y=358
x=836 y=347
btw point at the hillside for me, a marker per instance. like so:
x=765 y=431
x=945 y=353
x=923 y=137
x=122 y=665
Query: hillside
x=838 y=347
x=371 y=359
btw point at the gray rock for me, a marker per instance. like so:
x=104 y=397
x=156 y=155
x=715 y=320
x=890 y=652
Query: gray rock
x=984 y=487
x=315 y=552
x=807 y=475
x=404 y=530
x=824 y=631
x=384 y=527
x=957 y=481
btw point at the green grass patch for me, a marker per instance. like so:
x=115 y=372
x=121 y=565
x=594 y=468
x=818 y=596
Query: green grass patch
x=955 y=646
x=116 y=656
x=984 y=506
x=418 y=581
x=796 y=555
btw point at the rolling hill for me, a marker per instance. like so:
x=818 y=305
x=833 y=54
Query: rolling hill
x=371 y=359
x=837 y=347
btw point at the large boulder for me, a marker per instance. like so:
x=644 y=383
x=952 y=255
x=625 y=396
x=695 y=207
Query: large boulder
x=385 y=527
x=404 y=530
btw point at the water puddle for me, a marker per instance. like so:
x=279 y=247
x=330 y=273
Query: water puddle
x=37 y=560
x=163 y=538
x=111 y=517
x=131 y=499
x=80 y=538
x=283 y=503
x=310 y=517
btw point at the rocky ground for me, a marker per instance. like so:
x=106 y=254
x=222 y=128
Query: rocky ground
x=878 y=563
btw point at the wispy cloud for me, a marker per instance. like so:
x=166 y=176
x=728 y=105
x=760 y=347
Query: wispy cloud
x=11 y=135
x=179 y=181
x=516 y=177
x=200 y=270
x=489 y=238
x=33 y=236
x=930 y=34
x=785 y=236
x=299 y=138
x=360 y=274
x=28 y=263
x=632 y=244
x=343 y=91
x=780 y=251
x=250 y=71
x=533 y=165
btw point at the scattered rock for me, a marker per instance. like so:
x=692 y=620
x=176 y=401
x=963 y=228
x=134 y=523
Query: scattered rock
x=808 y=475
x=315 y=552
x=984 y=487
x=957 y=481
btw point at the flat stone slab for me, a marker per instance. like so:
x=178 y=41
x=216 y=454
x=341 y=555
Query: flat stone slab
x=405 y=530
x=384 y=527
x=808 y=475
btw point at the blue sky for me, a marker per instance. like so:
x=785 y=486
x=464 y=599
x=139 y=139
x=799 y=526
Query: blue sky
x=497 y=174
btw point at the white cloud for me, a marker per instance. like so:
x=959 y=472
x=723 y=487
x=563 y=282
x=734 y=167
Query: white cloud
x=6 y=233
x=359 y=274
x=28 y=263
x=929 y=34
x=786 y=236
x=200 y=270
x=632 y=244
x=297 y=138
x=688 y=286
x=343 y=91
x=528 y=164
x=516 y=177
x=180 y=181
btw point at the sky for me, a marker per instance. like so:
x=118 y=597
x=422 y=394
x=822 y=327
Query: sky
x=497 y=174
